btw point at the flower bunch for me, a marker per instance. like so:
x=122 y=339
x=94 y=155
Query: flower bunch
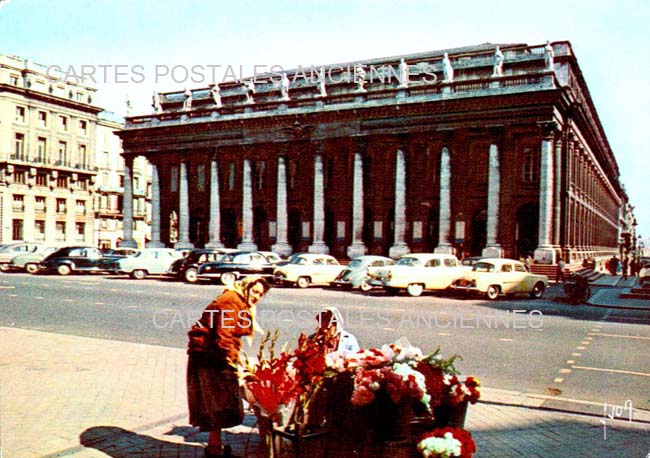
x=461 y=391
x=446 y=443
x=271 y=380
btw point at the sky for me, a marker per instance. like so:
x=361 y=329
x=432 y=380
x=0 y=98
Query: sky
x=133 y=47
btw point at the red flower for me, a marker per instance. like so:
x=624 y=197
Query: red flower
x=467 y=445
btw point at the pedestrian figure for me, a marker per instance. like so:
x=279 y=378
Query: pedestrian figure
x=624 y=266
x=613 y=265
x=529 y=263
x=214 y=342
x=560 y=271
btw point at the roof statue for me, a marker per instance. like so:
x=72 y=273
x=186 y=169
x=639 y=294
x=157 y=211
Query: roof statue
x=447 y=69
x=497 y=69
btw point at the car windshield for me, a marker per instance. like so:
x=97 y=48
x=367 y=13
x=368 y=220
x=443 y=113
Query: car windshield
x=483 y=267
x=408 y=262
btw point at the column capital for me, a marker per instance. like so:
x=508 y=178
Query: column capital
x=549 y=129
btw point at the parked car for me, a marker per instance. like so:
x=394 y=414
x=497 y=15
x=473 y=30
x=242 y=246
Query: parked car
x=29 y=262
x=356 y=273
x=149 y=261
x=8 y=252
x=273 y=258
x=121 y=252
x=418 y=272
x=471 y=260
x=71 y=259
x=187 y=267
x=233 y=266
x=496 y=276
x=307 y=269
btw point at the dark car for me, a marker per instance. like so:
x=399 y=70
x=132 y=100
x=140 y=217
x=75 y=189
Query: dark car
x=187 y=267
x=233 y=266
x=70 y=259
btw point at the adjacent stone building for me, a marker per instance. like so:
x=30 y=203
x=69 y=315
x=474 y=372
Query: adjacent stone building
x=53 y=141
x=494 y=150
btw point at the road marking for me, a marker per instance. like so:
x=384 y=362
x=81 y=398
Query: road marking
x=589 y=338
x=133 y=306
x=504 y=339
x=617 y=371
x=7 y=287
x=168 y=310
x=13 y=295
x=39 y=297
x=389 y=329
x=444 y=333
x=576 y=354
x=68 y=300
x=581 y=348
x=571 y=361
x=558 y=380
x=565 y=371
x=585 y=342
x=623 y=336
x=99 y=303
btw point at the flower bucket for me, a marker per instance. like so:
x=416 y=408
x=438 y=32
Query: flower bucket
x=452 y=415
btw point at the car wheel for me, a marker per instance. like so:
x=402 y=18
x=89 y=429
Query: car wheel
x=63 y=269
x=31 y=268
x=190 y=275
x=365 y=286
x=492 y=292
x=414 y=289
x=303 y=282
x=138 y=274
x=538 y=290
x=228 y=278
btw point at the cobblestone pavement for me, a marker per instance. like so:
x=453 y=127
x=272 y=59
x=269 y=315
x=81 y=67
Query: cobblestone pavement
x=64 y=395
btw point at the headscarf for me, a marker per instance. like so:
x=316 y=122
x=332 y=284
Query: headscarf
x=242 y=287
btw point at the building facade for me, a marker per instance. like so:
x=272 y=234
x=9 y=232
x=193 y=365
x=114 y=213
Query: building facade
x=109 y=189
x=492 y=150
x=53 y=141
x=47 y=139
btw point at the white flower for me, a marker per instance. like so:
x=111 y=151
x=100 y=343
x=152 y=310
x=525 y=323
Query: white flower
x=443 y=447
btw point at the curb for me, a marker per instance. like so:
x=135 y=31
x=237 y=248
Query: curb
x=552 y=403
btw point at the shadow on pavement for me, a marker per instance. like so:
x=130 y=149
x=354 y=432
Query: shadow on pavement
x=121 y=443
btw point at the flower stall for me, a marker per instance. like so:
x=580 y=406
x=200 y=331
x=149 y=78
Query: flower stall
x=393 y=397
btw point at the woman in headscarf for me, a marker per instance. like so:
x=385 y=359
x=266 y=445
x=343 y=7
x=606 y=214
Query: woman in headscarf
x=214 y=343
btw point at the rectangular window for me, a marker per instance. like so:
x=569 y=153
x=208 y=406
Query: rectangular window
x=83 y=157
x=200 y=177
x=80 y=232
x=83 y=127
x=82 y=184
x=42 y=119
x=19 y=177
x=13 y=79
x=530 y=166
x=260 y=167
x=19 y=203
x=60 y=231
x=62 y=182
x=19 y=150
x=39 y=204
x=60 y=205
x=39 y=230
x=105 y=160
x=63 y=123
x=17 y=229
x=81 y=207
x=41 y=152
x=63 y=154
x=174 y=179
x=20 y=114
x=41 y=179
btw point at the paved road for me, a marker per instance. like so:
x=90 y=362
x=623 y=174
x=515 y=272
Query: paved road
x=541 y=347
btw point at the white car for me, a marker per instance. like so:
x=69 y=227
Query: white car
x=306 y=269
x=496 y=276
x=418 y=272
x=8 y=252
x=149 y=261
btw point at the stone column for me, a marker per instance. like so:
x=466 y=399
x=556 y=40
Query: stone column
x=558 y=193
x=357 y=248
x=281 y=245
x=155 y=209
x=444 y=224
x=493 y=248
x=318 y=244
x=183 y=211
x=127 y=205
x=247 y=243
x=399 y=248
x=214 y=228
x=545 y=253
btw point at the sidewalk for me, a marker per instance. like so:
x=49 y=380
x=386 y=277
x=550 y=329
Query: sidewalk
x=66 y=396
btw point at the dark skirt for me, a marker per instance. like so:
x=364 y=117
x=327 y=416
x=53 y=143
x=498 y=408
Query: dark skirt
x=212 y=394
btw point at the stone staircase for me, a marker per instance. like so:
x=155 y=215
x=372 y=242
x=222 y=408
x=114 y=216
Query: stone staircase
x=642 y=293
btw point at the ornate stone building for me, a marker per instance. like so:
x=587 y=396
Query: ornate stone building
x=61 y=169
x=478 y=150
